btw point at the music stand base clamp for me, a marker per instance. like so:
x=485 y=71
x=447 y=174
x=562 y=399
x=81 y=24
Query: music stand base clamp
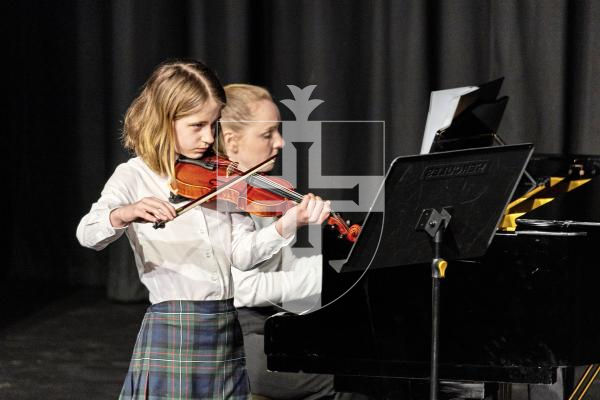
x=438 y=268
x=435 y=223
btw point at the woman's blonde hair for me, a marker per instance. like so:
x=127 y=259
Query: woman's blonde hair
x=240 y=98
x=173 y=91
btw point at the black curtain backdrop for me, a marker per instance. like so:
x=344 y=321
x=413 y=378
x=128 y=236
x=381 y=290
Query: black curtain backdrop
x=74 y=66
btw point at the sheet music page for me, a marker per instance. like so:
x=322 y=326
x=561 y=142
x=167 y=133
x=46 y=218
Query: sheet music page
x=442 y=105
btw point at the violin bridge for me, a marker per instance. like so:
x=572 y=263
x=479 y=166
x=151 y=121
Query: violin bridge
x=231 y=168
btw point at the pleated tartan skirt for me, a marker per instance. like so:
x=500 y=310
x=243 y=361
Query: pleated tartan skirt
x=188 y=350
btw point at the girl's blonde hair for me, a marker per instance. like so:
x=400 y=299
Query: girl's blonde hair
x=240 y=98
x=173 y=91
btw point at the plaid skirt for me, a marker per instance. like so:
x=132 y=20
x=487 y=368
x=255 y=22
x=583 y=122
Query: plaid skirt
x=188 y=350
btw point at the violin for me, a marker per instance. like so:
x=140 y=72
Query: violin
x=209 y=188
x=252 y=192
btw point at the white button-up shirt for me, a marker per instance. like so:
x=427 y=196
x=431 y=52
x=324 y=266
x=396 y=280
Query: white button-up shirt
x=191 y=257
x=292 y=282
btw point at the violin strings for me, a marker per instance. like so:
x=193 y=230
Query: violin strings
x=277 y=188
x=291 y=194
x=282 y=190
x=298 y=197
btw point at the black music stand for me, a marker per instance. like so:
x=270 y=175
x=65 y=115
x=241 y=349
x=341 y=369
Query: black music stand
x=438 y=207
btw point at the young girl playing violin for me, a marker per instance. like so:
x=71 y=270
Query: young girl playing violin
x=250 y=133
x=189 y=344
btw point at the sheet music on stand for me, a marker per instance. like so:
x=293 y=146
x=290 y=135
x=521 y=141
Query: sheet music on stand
x=463 y=117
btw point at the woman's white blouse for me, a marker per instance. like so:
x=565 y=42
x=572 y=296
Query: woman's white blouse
x=294 y=283
x=191 y=257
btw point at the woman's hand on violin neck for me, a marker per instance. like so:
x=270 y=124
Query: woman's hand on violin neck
x=312 y=210
x=148 y=209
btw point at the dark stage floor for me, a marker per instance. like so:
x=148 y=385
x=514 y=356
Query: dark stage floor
x=73 y=347
x=76 y=345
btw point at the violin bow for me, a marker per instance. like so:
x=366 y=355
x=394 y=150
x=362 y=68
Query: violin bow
x=208 y=196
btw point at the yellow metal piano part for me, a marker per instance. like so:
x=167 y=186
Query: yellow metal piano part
x=535 y=198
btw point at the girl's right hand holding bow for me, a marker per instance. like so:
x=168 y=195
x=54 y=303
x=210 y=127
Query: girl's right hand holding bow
x=311 y=210
x=148 y=209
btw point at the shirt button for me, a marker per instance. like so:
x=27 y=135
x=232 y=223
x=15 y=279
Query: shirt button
x=214 y=278
x=207 y=254
x=202 y=231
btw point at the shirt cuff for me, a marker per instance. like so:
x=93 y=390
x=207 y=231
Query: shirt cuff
x=102 y=232
x=104 y=219
x=273 y=236
x=270 y=241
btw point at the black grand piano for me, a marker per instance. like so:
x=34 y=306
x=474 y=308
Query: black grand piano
x=526 y=309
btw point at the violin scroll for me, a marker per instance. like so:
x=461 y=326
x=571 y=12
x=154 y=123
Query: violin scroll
x=353 y=232
x=350 y=233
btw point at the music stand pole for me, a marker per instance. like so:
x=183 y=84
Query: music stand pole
x=435 y=223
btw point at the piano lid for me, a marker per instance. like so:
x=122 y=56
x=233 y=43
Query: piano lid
x=559 y=174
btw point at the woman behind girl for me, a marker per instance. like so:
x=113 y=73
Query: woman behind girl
x=189 y=345
x=250 y=133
